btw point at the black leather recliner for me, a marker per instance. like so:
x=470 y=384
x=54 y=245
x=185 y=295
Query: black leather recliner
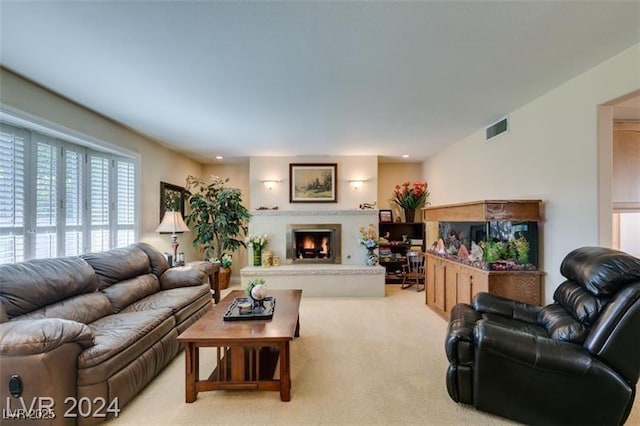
x=575 y=361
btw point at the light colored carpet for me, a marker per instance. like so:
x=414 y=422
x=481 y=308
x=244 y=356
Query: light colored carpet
x=357 y=361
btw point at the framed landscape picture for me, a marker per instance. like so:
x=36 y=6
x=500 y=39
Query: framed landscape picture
x=313 y=183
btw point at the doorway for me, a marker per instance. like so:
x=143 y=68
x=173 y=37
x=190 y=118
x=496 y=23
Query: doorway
x=625 y=174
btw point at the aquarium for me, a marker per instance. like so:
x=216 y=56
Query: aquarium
x=493 y=245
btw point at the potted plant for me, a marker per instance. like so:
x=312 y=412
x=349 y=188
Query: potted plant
x=410 y=196
x=216 y=217
x=225 y=270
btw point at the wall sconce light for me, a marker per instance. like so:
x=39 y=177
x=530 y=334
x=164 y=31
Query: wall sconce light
x=270 y=184
x=356 y=183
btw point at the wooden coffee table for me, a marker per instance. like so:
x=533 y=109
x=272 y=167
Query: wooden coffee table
x=247 y=351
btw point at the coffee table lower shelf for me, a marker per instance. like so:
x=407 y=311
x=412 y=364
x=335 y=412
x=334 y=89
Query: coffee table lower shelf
x=241 y=368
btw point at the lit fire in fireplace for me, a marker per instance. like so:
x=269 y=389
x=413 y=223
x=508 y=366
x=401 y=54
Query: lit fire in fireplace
x=311 y=243
x=314 y=246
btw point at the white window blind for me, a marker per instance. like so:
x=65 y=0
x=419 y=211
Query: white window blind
x=125 y=188
x=99 y=201
x=46 y=197
x=12 y=201
x=73 y=203
x=61 y=199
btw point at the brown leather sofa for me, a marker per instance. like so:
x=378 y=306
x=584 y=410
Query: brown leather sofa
x=81 y=336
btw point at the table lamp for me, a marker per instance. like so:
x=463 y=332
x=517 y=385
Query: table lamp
x=173 y=223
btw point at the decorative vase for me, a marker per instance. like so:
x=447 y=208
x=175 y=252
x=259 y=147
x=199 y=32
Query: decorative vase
x=223 y=277
x=257 y=256
x=409 y=215
x=371 y=259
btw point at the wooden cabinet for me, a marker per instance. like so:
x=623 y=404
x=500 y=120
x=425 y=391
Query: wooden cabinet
x=450 y=283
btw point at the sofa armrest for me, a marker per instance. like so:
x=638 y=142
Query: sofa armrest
x=28 y=337
x=492 y=304
x=183 y=276
x=459 y=342
x=532 y=351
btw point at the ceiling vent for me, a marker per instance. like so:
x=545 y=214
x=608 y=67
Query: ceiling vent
x=496 y=129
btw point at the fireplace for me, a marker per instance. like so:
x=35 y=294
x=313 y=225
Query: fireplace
x=314 y=243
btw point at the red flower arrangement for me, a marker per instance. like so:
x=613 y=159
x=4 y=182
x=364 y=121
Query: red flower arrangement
x=411 y=196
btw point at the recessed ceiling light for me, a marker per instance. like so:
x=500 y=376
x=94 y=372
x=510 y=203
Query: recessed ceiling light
x=219 y=157
x=405 y=155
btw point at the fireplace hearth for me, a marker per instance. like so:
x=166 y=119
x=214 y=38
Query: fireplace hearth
x=313 y=243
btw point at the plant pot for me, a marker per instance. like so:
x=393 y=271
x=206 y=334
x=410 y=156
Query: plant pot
x=224 y=276
x=409 y=215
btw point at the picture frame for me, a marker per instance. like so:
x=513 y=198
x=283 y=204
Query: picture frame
x=313 y=183
x=172 y=197
x=385 y=216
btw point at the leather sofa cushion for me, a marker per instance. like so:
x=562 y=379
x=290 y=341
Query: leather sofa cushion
x=123 y=331
x=27 y=286
x=182 y=276
x=157 y=260
x=85 y=308
x=118 y=264
x=128 y=291
x=584 y=306
x=561 y=325
x=176 y=299
x=602 y=271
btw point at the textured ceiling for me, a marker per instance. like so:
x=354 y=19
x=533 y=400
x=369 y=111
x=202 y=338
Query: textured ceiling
x=243 y=79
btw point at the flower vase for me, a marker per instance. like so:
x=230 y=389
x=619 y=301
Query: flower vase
x=257 y=256
x=409 y=215
x=371 y=259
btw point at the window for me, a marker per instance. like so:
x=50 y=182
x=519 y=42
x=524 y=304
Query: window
x=61 y=199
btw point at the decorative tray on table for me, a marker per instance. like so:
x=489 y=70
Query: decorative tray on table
x=235 y=313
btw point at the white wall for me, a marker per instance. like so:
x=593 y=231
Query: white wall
x=277 y=168
x=156 y=162
x=550 y=153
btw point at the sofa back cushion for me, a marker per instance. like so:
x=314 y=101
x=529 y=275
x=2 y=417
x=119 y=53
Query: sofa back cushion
x=84 y=308
x=600 y=270
x=31 y=285
x=157 y=260
x=583 y=305
x=561 y=325
x=128 y=291
x=119 y=264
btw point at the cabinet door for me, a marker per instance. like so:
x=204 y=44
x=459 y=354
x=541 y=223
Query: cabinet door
x=479 y=282
x=430 y=272
x=451 y=287
x=465 y=286
x=439 y=288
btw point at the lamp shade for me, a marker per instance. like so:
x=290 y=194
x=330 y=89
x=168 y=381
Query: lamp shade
x=172 y=223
